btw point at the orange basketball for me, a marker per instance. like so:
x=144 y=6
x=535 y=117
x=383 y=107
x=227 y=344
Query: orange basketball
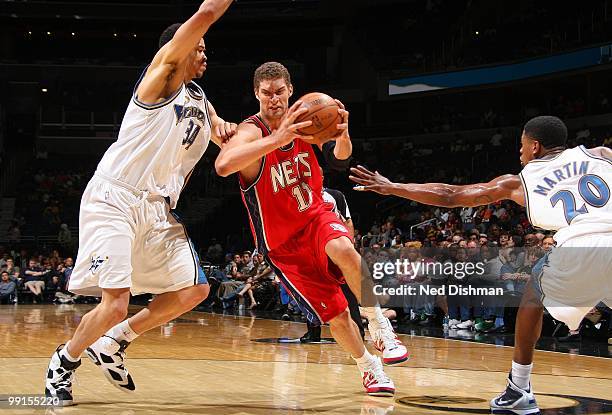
x=323 y=112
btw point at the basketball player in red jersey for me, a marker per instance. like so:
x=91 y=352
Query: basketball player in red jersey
x=306 y=244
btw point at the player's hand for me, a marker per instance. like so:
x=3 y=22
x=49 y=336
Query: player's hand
x=225 y=130
x=343 y=127
x=288 y=129
x=368 y=181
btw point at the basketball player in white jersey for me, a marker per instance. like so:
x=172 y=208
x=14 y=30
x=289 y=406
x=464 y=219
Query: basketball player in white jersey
x=567 y=190
x=130 y=239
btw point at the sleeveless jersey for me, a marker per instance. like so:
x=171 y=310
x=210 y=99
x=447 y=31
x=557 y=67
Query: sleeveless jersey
x=286 y=195
x=159 y=145
x=569 y=193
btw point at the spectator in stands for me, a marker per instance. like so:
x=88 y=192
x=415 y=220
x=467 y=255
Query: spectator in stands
x=547 y=243
x=64 y=237
x=531 y=240
x=583 y=134
x=69 y=265
x=603 y=103
x=52 y=287
x=483 y=240
x=233 y=267
x=13 y=233
x=237 y=277
x=34 y=277
x=12 y=270
x=247 y=263
x=7 y=289
x=255 y=278
x=496 y=139
x=215 y=252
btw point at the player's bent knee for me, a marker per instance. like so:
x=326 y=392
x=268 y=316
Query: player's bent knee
x=342 y=320
x=342 y=252
x=116 y=311
x=198 y=293
x=201 y=292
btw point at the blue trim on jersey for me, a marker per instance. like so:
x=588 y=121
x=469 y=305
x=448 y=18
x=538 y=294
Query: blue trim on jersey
x=199 y=277
x=207 y=112
x=152 y=106
x=310 y=314
x=253 y=209
x=537 y=281
x=195 y=91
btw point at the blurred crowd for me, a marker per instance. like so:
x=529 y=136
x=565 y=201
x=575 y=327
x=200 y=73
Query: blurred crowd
x=35 y=278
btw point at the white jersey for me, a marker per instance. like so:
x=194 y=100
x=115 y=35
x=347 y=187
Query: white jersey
x=159 y=145
x=569 y=193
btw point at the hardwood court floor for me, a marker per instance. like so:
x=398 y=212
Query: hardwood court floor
x=206 y=363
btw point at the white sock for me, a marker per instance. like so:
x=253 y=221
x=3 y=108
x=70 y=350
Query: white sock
x=64 y=352
x=365 y=360
x=521 y=375
x=375 y=315
x=122 y=331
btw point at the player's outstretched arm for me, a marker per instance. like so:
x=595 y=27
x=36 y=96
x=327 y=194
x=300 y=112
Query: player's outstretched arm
x=222 y=130
x=439 y=194
x=190 y=32
x=160 y=79
x=248 y=146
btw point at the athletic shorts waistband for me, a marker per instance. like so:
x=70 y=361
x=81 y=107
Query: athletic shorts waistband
x=126 y=186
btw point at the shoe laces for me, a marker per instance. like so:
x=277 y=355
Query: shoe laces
x=387 y=335
x=67 y=383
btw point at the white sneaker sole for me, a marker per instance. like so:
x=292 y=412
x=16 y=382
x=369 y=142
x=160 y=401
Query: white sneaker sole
x=509 y=411
x=386 y=392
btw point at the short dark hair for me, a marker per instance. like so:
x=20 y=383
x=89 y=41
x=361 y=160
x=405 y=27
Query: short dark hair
x=168 y=34
x=548 y=130
x=270 y=71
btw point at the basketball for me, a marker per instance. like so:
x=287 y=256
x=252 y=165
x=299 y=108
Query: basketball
x=323 y=112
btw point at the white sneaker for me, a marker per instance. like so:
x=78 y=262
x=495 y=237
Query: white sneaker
x=452 y=323
x=375 y=380
x=515 y=400
x=109 y=355
x=465 y=325
x=386 y=341
x=60 y=375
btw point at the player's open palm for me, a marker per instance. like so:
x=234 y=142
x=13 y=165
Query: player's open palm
x=368 y=181
x=288 y=129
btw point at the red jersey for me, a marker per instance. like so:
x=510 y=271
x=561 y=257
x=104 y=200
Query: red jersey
x=286 y=195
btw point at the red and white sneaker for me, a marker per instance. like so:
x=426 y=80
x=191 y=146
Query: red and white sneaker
x=386 y=341
x=375 y=380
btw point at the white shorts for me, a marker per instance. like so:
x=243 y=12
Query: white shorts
x=576 y=277
x=129 y=239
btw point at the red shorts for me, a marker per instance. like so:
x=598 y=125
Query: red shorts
x=306 y=271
